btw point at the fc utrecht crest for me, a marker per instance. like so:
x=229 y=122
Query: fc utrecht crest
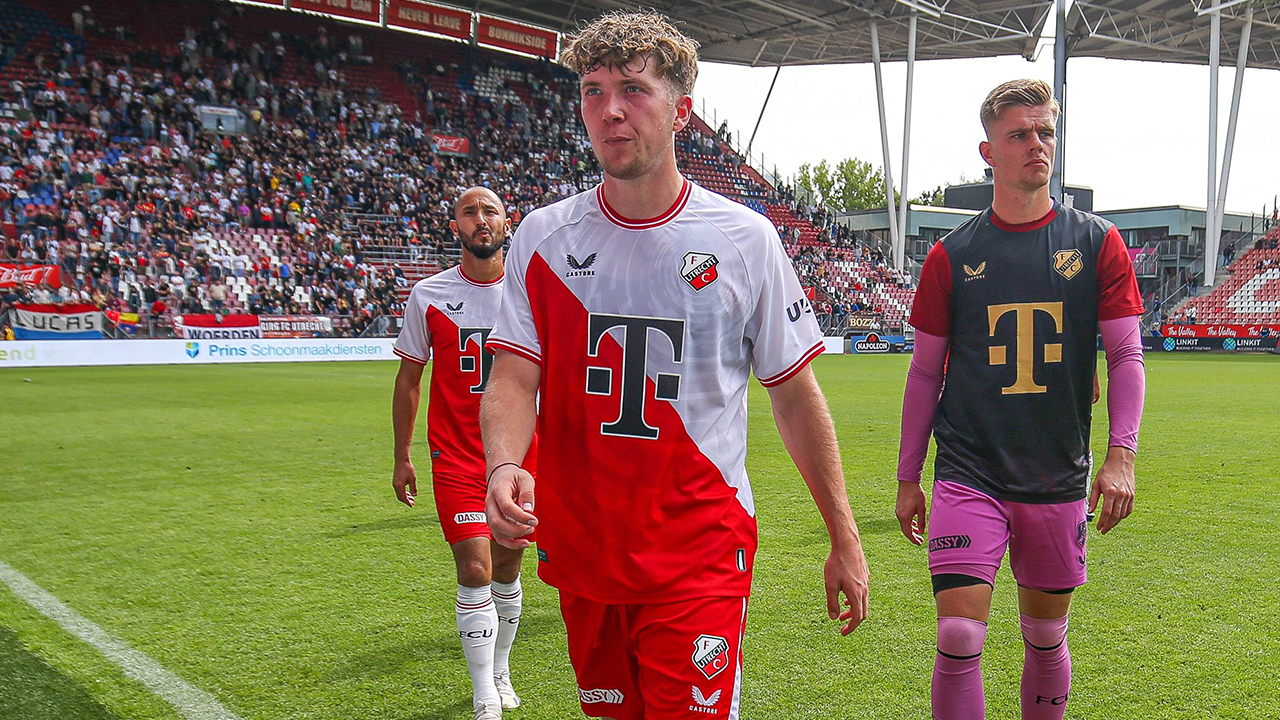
x=699 y=269
x=711 y=654
x=1068 y=262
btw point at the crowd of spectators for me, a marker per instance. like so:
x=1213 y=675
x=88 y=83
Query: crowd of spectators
x=116 y=180
x=838 y=299
x=119 y=179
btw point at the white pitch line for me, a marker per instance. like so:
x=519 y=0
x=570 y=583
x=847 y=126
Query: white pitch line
x=191 y=701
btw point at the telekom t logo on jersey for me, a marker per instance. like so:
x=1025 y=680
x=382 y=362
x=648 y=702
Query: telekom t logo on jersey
x=635 y=353
x=468 y=360
x=1024 y=347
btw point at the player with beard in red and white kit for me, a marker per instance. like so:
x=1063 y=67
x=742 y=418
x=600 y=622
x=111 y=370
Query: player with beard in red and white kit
x=632 y=319
x=447 y=320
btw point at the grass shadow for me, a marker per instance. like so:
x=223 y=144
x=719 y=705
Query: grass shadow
x=389 y=524
x=32 y=689
x=879 y=526
x=460 y=710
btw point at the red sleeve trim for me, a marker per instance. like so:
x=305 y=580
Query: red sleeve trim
x=407 y=356
x=1118 y=294
x=510 y=347
x=796 y=367
x=931 y=311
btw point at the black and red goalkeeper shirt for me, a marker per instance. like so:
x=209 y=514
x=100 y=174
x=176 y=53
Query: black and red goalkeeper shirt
x=1021 y=306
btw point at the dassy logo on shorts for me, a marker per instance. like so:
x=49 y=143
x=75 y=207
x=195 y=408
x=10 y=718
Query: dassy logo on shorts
x=469 y=517
x=597 y=695
x=949 y=542
x=710 y=655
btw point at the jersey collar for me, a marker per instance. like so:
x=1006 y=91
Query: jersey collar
x=478 y=283
x=1027 y=226
x=617 y=219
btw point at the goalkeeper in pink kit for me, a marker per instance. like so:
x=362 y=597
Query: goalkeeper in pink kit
x=1007 y=316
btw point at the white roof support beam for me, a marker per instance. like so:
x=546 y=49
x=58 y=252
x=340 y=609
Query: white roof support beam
x=1211 y=204
x=1220 y=207
x=1057 y=184
x=890 y=206
x=900 y=242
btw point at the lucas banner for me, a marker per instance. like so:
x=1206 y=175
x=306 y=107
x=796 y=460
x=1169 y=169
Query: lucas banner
x=1255 y=330
x=514 y=36
x=367 y=10
x=217 y=327
x=415 y=15
x=12 y=275
x=57 y=322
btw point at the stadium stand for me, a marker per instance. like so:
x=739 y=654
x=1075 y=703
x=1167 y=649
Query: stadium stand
x=1249 y=294
x=336 y=198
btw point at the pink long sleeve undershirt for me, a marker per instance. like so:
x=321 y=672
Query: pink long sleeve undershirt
x=1126 y=390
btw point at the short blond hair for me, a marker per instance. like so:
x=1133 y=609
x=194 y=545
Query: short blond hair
x=1016 y=93
x=616 y=39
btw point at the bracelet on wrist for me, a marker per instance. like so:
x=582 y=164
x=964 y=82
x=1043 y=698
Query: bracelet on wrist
x=495 y=469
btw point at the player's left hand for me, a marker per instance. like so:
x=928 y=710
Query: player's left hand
x=1115 y=486
x=846 y=571
x=1097 y=389
x=404 y=480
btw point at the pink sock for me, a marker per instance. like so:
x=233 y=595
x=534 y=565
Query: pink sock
x=957 y=672
x=1046 y=670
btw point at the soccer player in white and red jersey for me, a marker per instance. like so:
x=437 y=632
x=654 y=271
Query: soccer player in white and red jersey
x=447 y=320
x=1007 y=316
x=638 y=310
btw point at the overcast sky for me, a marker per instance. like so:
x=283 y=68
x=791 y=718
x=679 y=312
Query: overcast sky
x=1137 y=132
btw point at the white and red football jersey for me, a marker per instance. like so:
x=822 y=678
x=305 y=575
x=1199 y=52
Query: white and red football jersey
x=647 y=333
x=447 y=319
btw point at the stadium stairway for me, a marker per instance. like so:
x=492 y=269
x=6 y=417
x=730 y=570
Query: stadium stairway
x=1249 y=294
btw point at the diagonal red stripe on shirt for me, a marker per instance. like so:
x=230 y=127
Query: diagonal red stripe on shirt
x=624 y=520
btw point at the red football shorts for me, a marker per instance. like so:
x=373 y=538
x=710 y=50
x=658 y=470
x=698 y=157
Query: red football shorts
x=460 y=505
x=672 y=661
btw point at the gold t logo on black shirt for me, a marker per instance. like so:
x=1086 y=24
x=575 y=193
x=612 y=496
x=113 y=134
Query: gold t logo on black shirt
x=1024 y=345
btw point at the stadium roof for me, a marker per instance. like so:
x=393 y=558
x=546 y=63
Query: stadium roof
x=1175 y=31
x=813 y=32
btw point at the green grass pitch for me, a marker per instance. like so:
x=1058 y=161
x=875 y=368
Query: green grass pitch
x=237 y=524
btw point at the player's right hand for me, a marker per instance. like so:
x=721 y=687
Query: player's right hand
x=509 y=506
x=404 y=479
x=912 y=511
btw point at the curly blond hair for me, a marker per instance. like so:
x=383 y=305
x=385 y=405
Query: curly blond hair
x=616 y=39
x=1016 y=93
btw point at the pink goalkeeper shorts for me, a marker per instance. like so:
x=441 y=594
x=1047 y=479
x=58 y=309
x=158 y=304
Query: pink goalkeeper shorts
x=969 y=531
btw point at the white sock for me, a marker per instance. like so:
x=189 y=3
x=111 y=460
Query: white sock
x=478 y=630
x=509 y=598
